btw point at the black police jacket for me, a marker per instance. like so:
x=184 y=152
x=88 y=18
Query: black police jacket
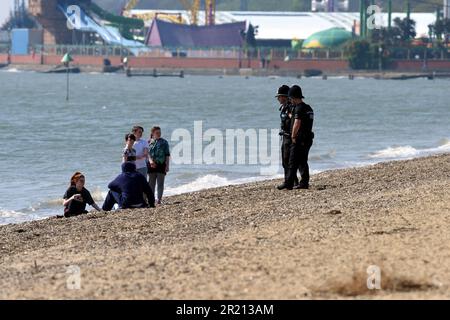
x=285 y=110
x=305 y=113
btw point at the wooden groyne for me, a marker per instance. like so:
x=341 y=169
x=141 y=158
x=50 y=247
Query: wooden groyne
x=153 y=73
x=427 y=75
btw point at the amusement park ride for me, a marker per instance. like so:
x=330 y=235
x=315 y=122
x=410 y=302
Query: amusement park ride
x=54 y=22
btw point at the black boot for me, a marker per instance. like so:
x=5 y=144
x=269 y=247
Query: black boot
x=284 y=186
x=301 y=186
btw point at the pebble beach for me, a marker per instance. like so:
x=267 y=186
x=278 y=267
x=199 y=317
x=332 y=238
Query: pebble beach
x=251 y=242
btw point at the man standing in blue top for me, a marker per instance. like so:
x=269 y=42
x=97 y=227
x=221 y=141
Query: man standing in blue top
x=159 y=162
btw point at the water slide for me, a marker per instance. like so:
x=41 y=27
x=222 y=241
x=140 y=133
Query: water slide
x=80 y=20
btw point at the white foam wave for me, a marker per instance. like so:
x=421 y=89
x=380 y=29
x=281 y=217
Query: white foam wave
x=395 y=152
x=11 y=216
x=444 y=144
x=13 y=70
x=402 y=152
x=97 y=195
x=325 y=156
x=213 y=181
x=9 y=213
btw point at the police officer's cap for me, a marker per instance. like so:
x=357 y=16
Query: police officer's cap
x=283 y=91
x=296 y=92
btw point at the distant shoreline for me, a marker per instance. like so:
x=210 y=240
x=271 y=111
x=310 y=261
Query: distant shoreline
x=251 y=241
x=255 y=179
x=386 y=74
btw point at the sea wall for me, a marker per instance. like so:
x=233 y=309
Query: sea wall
x=297 y=65
x=26 y=59
x=3 y=58
x=95 y=61
x=419 y=65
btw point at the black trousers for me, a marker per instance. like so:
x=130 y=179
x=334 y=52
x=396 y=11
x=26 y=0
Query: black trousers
x=298 y=160
x=114 y=198
x=70 y=211
x=285 y=156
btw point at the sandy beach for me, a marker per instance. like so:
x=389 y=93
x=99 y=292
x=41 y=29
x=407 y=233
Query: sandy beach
x=251 y=242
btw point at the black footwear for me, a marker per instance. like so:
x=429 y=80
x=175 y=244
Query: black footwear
x=282 y=186
x=302 y=187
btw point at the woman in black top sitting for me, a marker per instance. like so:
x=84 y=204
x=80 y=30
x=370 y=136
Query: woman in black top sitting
x=76 y=197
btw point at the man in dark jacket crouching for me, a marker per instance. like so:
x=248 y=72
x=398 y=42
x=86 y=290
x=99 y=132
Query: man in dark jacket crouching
x=128 y=189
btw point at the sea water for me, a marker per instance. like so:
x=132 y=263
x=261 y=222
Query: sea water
x=45 y=139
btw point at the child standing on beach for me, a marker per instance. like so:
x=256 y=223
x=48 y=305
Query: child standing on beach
x=159 y=162
x=129 y=153
x=141 y=147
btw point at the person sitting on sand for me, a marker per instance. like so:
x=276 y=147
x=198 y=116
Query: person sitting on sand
x=77 y=196
x=128 y=189
x=129 y=153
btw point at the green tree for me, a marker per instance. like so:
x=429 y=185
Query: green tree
x=250 y=36
x=406 y=28
x=366 y=55
x=359 y=54
x=442 y=29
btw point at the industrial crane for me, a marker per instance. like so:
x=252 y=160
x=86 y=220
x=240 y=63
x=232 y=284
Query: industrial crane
x=194 y=7
x=172 y=17
x=130 y=5
x=210 y=12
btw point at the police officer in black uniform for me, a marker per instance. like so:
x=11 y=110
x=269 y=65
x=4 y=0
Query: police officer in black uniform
x=285 y=132
x=302 y=139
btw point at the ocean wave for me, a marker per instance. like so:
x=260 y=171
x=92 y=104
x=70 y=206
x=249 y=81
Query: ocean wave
x=444 y=143
x=325 y=156
x=12 y=70
x=395 y=152
x=12 y=216
x=9 y=213
x=402 y=152
x=43 y=209
x=97 y=194
x=210 y=181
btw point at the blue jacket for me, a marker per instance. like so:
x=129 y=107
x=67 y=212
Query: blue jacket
x=131 y=185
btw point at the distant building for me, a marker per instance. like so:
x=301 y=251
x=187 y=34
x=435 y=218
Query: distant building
x=447 y=9
x=243 y=6
x=353 y=5
x=167 y=34
x=330 y=5
x=274 y=26
x=52 y=21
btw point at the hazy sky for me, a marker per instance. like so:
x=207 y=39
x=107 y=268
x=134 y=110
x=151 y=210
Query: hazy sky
x=5 y=7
